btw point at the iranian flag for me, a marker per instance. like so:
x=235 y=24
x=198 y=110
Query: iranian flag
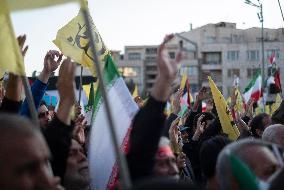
x=72 y=40
x=253 y=90
x=102 y=158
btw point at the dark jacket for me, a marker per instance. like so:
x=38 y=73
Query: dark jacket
x=168 y=123
x=147 y=129
x=278 y=115
x=58 y=137
x=10 y=106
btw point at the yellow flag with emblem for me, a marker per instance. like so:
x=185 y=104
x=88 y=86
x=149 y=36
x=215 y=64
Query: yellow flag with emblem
x=11 y=59
x=73 y=41
x=239 y=102
x=224 y=114
x=277 y=103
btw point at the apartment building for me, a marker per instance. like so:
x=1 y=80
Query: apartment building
x=219 y=50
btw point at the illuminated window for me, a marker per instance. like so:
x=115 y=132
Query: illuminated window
x=129 y=72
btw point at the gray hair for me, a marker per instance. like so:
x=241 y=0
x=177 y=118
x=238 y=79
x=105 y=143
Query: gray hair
x=274 y=133
x=223 y=166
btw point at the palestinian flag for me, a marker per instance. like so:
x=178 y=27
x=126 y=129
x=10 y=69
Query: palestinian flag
x=253 y=90
x=102 y=157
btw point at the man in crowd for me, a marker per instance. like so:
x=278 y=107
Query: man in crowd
x=274 y=134
x=254 y=153
x=24 y=157
x=145 y=158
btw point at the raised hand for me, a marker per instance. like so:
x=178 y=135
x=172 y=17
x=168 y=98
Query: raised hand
x=167 y=71
x=173 y=131
x=21 y=41
x=202 y=95
x=79 y=129
x=168 y=68
x=52 y=61
x=199 y=128
x=176 y=101
x=66 y=89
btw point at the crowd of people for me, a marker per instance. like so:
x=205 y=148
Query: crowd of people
x=175 y=151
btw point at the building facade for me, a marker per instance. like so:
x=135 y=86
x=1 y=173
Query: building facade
x=219 y=50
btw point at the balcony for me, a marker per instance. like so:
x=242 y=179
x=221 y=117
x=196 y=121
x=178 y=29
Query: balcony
x=211 y=67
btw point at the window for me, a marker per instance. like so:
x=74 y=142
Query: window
x=233 y=72
x=188 y=70
x=134 y=56
x=233 y=55
x=212 y=58
x=151 y=50
x=172 y=55
x=236 y=38
x=150 y=59
x=270 y=52
x=251 y=72
x=253 y=55
x=226 y=39
x=210 y=39
x=130 y=72
x=151 y=68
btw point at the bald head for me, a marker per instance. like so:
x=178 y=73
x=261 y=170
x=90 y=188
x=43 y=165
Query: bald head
x=274 y=133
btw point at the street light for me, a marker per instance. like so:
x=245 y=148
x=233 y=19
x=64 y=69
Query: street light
x=260 y=17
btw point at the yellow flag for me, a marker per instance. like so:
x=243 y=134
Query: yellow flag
x=73 y=41
x=86 y=88
x=267 y=109
x=135 y=92
x=14 y=5
x=183 y=81
x=258 y=110
x=11 y=59
x=228 y=100
x=224 y=113
x=239 y=102
x=277 y=103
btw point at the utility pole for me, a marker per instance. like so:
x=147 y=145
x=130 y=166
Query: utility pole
x=260 y=17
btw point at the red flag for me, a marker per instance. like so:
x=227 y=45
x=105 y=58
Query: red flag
x=277 y=80
x=272 y=58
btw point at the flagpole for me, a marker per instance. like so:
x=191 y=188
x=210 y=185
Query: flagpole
x=30 y=100
x=26 y=84
x=80 y=88
x=124 y=173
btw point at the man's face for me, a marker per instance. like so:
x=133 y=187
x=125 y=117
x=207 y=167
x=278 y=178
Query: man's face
x=43 y=116
x=25 y=164
x=262 y=161
x=77 y=170
x=166 y=166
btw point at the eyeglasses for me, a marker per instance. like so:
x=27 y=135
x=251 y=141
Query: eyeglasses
x=43 y=114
